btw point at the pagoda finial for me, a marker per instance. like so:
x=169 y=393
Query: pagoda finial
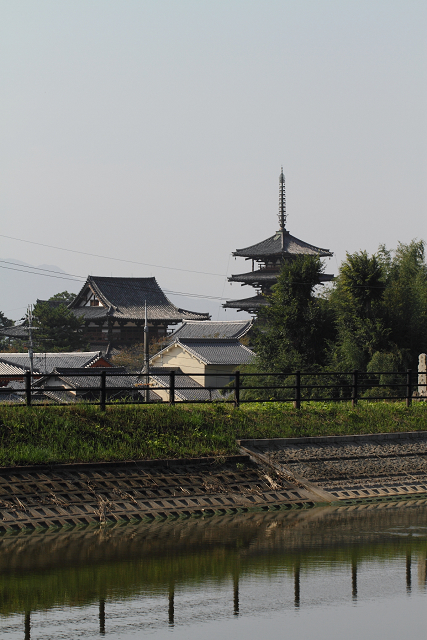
x=282 y=201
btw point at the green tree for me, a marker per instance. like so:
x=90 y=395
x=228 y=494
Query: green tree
x=380 y=308
x=64 y=297
x=356 y=302
x=292 y=329
x=57 y=328
x=405 y=300
x=4 y=323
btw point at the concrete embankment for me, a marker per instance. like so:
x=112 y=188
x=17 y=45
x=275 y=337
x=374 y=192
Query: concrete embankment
x=347 y=468
x=269 y=475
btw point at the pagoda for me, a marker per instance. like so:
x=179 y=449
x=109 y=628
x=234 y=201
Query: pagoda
x=267 y=258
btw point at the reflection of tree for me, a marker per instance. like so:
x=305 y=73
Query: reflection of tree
x=83 y=567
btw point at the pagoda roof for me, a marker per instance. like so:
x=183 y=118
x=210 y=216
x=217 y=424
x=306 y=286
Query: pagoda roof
x=266 y=276
x=273 y=247
x=247 y=304
x=125 y=298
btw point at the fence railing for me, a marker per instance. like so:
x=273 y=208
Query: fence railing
x=105 y=387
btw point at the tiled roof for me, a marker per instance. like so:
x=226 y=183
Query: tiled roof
x=124 y=298
x=228 y=352
x=273 y=247
x=212 y=329
x=8 y=369
x=262 y=276
x=16 y=385
x=18 y=331
x=7 y=395
x=46 y=362
x=90 y=379
x=247 y=304
x=266 y=276
x=192 y=391
x=82 y=377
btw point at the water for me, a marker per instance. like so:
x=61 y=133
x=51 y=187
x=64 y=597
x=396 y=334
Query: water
x=320 y=573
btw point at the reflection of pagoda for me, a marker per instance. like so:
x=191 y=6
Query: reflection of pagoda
x=269 y=256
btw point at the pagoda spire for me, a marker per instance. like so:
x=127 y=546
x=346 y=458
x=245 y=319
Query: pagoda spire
x=282 y=202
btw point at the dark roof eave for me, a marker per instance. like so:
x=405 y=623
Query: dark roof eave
x=273 y=247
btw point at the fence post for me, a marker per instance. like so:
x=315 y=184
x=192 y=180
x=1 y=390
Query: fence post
x=28 y=388
x=172 y=387
x=354 y=388
x=103 y=393
x=408 y=387
x=237 y=389
x=297 y=401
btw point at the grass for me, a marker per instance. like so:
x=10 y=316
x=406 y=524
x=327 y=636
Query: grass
x=47 y=434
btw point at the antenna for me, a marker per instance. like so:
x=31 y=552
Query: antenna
x=282 y=201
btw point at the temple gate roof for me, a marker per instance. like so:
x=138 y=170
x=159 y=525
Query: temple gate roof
x=124 y=299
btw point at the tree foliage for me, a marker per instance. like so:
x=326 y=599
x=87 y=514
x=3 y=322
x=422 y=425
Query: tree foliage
x=374 y=317
x=380 y=307
x=356 y=304
x=4 y=323
x=63 y=296
x=132 y=357
x=57 y=328
x=292 y=329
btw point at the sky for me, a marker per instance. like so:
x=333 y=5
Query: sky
x=152 y=133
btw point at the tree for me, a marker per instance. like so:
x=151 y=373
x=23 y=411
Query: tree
x=405 y=300
x=4 y=323
x=133 y=357
x=57 y=328
x=359 y=314
x=291 y=333
x=380 y=308
x=64 y=297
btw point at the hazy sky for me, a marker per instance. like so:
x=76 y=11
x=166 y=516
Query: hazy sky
x=154 y=131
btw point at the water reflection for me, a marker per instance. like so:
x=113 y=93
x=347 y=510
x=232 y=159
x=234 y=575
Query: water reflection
x=238 y=566
x=354 y=578
x=297 y=585
x=408 y=572
x=102 y=616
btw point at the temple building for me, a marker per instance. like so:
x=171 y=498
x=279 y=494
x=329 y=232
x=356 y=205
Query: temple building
x=267 y=258
x=114 y=310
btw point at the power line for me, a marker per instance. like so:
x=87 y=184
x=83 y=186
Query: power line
x=95 y=255
x=82 y=279
x=76 y=278
x=46 y=275
x=61 y=273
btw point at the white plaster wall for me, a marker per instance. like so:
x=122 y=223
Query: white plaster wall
x=178 y=357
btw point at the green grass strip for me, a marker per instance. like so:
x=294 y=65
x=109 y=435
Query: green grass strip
x=82 y=433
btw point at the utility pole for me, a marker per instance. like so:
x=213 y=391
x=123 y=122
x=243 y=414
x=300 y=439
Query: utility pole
x=30 y=336
x=146 y=358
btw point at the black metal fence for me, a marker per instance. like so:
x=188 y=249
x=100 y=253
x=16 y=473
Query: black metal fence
x=105 y=387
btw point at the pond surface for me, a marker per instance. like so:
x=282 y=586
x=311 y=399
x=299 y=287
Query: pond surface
x=324 y=573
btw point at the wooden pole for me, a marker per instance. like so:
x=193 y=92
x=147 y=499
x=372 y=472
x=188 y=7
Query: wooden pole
x=146 y=357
